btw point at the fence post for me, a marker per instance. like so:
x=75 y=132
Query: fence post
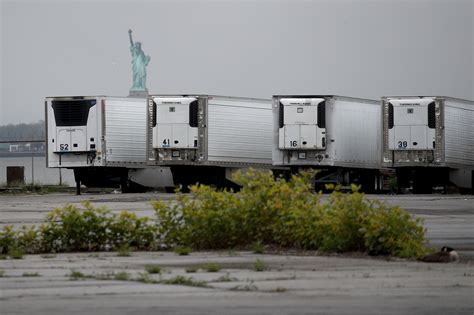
x=32 y=168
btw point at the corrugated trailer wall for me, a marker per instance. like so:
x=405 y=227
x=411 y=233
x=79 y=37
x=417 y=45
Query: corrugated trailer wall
x=239 y=130
x=459 y=133
x=354 y=132
x=125 y=130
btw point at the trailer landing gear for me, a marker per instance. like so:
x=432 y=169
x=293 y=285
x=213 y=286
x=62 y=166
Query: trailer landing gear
x=78 y=187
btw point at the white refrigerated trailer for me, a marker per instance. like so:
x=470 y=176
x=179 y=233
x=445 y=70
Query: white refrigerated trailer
x=429 y=141
x=102 y=139
x=341 y=136
x=204 y=138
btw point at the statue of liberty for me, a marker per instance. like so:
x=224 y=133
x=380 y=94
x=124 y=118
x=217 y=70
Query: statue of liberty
x=139 y=63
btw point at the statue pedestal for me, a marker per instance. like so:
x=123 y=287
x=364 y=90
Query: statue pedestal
x=138 y=93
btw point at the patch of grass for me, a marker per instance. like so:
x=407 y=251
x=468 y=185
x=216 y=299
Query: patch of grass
x=124 y=251
x=145 y=278
x=16 y=253
x=2 y=273
x=211 y=267
x=259 y=265
x=31 y=274
x=3 y=256
x=187 y=281
x=225 y=278
x=192 y=269
x=153 y=269
x=257 y=248
x=280 y=290
x=182 y=250
x=93 y=255
x=122 y=276
x=76 y=275
x=48 y=256
x=245 y=287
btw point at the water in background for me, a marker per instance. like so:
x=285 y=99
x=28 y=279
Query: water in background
x=40 y=173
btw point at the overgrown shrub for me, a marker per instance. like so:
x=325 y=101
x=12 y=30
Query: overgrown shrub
x=8 y=239
x=90 y=229
x=138 y=233
x=287 y=214
x=71 y=229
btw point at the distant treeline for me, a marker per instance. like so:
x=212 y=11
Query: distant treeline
x=28 y=132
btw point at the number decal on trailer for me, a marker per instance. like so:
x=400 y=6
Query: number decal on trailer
x=293 y=143
x=64 y=147
x=402 y=144
x=166 y=143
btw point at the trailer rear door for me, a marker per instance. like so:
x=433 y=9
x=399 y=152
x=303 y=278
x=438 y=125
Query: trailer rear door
x=302 y=123
x=176 y=123
x=412 y=124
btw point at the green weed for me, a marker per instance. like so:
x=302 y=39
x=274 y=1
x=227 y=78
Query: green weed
x=153 y=269
x=192 y=269
x=76 y=275
x=257 y=248
x=259 y=265
x=280 y=290
x=182 y=250
x=122 y=276
x=31 y=274
x=187 y=281
x=211 y=267
x=124 y=251
x=16 y=253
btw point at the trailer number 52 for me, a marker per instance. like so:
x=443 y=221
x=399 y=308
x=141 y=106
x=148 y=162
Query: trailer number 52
x=402 y=144
x=64 y=147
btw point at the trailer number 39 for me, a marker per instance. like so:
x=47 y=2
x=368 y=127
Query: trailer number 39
x=402 y=144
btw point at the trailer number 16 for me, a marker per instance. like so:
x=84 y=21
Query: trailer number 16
x=402 y=144
x=293 y=143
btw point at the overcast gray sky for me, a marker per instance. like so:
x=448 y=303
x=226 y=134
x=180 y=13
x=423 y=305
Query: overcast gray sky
x=241 y=48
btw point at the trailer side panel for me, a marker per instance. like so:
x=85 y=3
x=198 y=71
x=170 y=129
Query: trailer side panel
x=239 y=131
x=125 y=130
x=459 y=133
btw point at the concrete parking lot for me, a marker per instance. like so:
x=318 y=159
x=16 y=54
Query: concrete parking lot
x=292 y=282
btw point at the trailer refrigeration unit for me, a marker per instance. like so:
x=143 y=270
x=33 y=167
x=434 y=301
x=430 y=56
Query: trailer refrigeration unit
x=204 y=138
x=429 y=141
x=102 y=139
x=340 y=136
